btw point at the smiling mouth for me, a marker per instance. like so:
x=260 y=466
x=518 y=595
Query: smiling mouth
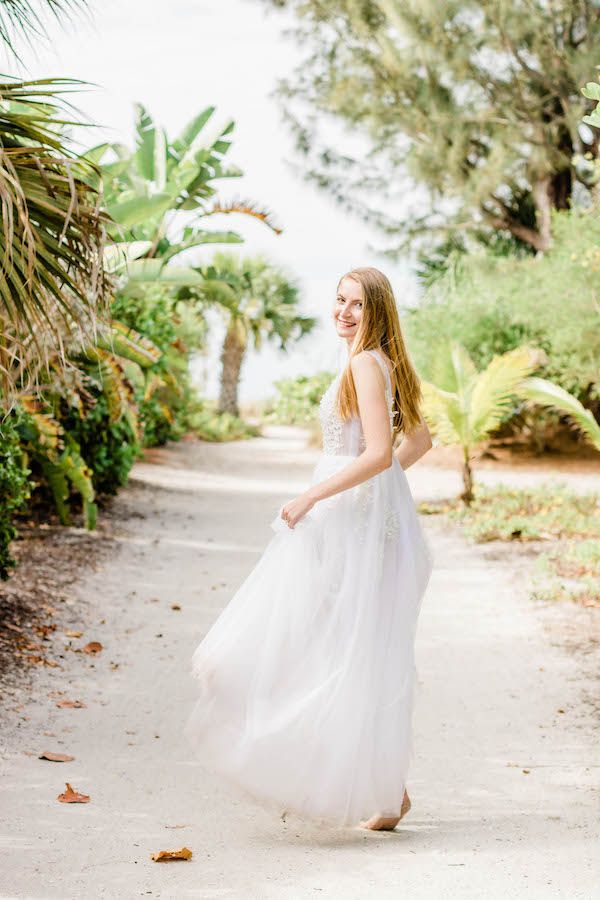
x=347 y=324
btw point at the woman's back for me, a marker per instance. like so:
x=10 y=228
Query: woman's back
x=345 y=437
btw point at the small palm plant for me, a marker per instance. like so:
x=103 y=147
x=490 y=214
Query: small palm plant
x=466 y=405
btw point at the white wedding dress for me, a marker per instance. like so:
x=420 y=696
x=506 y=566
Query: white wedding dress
x=306 y=680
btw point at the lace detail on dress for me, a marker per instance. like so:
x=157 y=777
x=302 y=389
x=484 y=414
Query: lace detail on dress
x=332 y=427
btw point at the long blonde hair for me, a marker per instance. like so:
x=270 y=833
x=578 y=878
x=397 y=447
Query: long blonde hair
x=380 y=327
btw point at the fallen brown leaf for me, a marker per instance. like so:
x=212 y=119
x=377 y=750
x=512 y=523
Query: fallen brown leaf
x=55 y=757
x=71 y=704
x=92 y=647
x=175 y=606
x=71 y=633
x=71 y=796
x=167 y=855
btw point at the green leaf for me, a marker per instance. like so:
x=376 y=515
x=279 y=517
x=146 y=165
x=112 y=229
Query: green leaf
x=591 y=90
x=155 y=270
x=116 y=256
x=139 y=209
x=592 y=119
x=192 y=130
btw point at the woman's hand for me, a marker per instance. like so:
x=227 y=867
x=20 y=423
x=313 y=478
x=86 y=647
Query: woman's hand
x=293 y=511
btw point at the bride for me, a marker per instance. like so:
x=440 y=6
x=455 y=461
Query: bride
x=306 y=680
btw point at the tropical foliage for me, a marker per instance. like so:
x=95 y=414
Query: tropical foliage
x=15 y=489
x=160 y=195
x=258 y=301
x=52 y=235
x=296 y=401
x=96 y=358
x=492 y=304
x=465 y=406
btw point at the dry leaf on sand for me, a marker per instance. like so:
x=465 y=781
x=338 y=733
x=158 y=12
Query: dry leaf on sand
x=71 y=796
x=168 y=855
x=55 y=757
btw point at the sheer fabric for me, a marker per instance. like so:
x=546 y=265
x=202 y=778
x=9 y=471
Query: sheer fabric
x=306 y=680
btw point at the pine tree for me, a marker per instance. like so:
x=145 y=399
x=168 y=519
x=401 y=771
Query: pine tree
x=469 y=113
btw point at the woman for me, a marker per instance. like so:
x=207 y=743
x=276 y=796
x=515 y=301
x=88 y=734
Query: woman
x=307 y=677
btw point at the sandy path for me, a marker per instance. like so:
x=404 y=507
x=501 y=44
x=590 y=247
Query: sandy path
x=494 y=669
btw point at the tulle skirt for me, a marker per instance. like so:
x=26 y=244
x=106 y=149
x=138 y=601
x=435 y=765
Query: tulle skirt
x=306 y=680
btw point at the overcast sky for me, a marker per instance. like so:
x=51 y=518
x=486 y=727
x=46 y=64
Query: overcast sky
x=179 y=57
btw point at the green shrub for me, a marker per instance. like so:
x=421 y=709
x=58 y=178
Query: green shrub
x=109 y=448
x=15 y=489
x=178 y=330
x=492 y=304
x=297 y=400
x=204 y=421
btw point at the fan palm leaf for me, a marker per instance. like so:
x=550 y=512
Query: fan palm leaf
x=52 y=228
x=494 y=390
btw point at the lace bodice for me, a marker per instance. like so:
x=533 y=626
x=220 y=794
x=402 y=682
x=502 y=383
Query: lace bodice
x=346 y=437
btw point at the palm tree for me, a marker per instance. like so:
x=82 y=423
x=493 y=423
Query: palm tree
x=52 y=235
x=258 y=300
x=471 y=404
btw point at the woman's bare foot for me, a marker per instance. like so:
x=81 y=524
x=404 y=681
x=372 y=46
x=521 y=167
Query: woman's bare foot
x=381 y=823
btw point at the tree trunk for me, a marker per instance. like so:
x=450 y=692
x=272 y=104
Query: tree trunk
x=232 y=355
x=467 y=474
x=543 y=207
x=528 y=235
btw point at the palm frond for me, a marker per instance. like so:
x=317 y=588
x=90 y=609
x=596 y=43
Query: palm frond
x=52 y=229
x=443 y=413
x=130 y=344
x=247 y=208
x=495 y=388
x=546 y=393
x=23 y=19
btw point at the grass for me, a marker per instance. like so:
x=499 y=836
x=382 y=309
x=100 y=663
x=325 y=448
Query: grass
x=570 y=522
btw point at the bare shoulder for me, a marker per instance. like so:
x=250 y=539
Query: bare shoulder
x=363 y=362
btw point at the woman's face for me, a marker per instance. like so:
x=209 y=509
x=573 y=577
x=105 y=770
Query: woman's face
x=347 y=309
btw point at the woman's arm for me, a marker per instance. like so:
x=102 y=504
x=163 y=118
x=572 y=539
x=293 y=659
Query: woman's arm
x=377 y=455
x=414 y=445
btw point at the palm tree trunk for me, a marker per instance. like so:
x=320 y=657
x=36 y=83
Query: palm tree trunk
x=467 y=474
x=232 y=355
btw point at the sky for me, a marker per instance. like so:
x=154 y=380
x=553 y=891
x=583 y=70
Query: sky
x=177 y=58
